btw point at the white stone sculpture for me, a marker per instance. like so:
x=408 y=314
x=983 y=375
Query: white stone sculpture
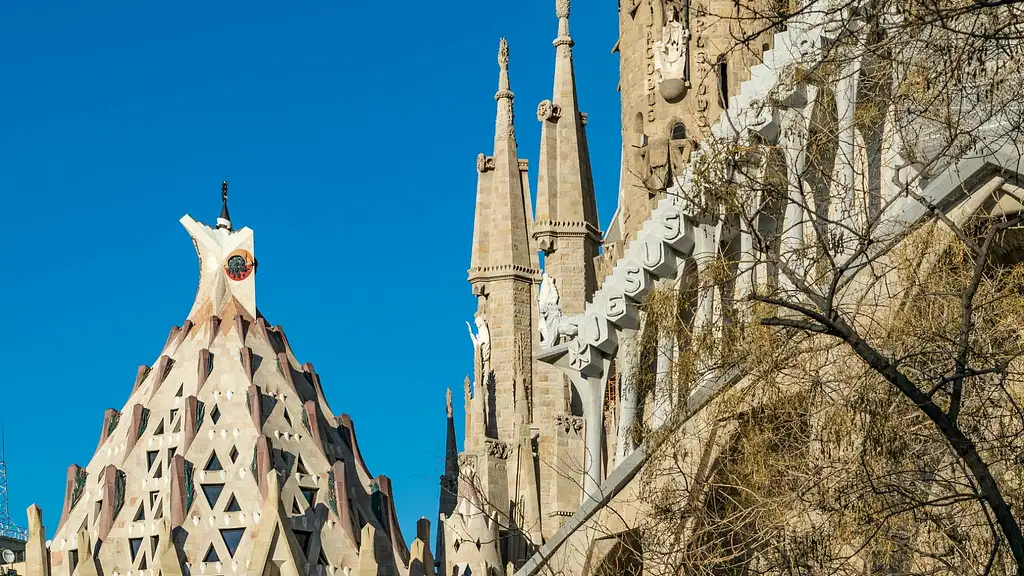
x=553 y=323
x=670 y=56
x=481 y=339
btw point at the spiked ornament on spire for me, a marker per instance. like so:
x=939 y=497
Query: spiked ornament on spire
x=504 y=87
x=224 y=221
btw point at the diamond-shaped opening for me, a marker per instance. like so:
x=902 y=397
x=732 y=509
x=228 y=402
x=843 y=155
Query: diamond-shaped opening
x=233 y=454
x=212 y=493
x=151 y=458
x=213 y=464
x=211 y=555
x=140 y=515
x=135 y=544
x=233 y=505
x=159 y=429
x=303 y=538
x=215 y=414
x=159 y=471
x=232 y=536
x=309 y=494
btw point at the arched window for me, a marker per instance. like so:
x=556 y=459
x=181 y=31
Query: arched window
x=640 y=139
x=678 y=131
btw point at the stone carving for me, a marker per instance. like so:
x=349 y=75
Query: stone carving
x=553 y=324
x=667 y=236
x=448 y=398
x=671 y=54
x=481 y=339
x=562 y=8
x=484 y=163
x=548 y=111
x=569 y=423
x=500 y=449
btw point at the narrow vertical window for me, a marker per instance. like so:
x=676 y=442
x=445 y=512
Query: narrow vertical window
x=723 y=83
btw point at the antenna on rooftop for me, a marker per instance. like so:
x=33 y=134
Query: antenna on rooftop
x=8 y=529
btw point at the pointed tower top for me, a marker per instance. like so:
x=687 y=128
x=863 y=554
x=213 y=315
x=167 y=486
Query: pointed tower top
x=562 y=11
x=225 y=219
x=504 y=86
x=448 y=397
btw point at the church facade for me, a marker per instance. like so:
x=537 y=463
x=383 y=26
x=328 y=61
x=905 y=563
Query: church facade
x=227 y=459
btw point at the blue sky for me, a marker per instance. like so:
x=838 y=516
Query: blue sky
x=348 y=132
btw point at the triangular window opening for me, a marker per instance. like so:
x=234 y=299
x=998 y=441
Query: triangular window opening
x=154 y=541
x=232 y=536
x=211 y=555
x=142 y=563
x=171 y=452
x=159 y=513
x=287 y=418
x=212 y=493
x=153 y=497
x=215 y=414
x=177 y=427
x=159 y=471
x=323 y=558
x=180 y=392
x=233 y=506
x=309 y=494
x=159 y=429
x=151 y=458
x=233 y=454
x=140 y=515
x=174 y=414
x=300 y=467
x=303 y=538
x=213 y=464
x=296 y=508
x=135 y=544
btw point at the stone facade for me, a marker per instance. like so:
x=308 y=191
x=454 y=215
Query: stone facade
x=684 y=89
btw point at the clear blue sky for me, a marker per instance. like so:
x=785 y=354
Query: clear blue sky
x=348 y=132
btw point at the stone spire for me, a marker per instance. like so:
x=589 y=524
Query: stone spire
x=501 y=238
x=450 y=479
x=566 y=206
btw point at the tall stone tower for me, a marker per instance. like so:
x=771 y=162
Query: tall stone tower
x=523 y=459
x=226 y=458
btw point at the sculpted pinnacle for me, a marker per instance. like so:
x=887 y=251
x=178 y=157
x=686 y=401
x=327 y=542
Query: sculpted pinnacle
x=448 y=396
x=562 y=8
x=503 y=54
